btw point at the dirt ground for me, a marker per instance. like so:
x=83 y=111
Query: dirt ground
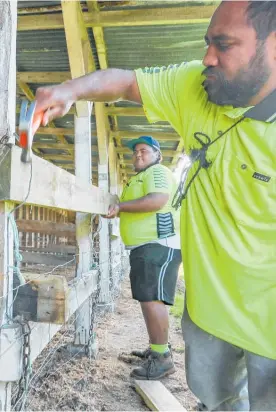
x=77 y=383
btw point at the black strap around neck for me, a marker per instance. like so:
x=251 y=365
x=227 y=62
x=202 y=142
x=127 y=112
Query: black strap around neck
x=265 y=110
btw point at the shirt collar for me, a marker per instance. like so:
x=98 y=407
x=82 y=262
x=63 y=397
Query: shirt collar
x=234 y=112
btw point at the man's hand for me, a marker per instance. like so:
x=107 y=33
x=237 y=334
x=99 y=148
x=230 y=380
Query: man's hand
x=54 y=101
x=113 y=211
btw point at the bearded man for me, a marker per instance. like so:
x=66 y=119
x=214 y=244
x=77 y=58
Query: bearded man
x=228 y=211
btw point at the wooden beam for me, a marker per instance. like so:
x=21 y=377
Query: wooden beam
x=6 y=258
x=56 y=157
x=43 y=77
x=125 y=111
x=35 y=258
x=44 y=297
x=103 y=183
x=102 y=133
x=56 y=131
x=119 y=18
x=60 y=146
x=78 y=46
x=8 y=69
x=56 y=145
x=81 y=62
x=7 y=128
x=157 y=397
x=123 y=134
x=50 y=185
x=78 y=293
x=98 y=34
x=51 y=248
x=26 y=90
x=10 y=358
x=48 y=228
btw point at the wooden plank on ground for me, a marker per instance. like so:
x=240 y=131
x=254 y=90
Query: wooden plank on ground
x=157 y=397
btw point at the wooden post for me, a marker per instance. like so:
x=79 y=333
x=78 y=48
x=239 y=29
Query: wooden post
x=81 y=62
x=8 y=19
x=83 y=167
x=115 y=242
x=103 y=184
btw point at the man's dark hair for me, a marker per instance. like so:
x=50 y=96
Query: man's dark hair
x=262 y=17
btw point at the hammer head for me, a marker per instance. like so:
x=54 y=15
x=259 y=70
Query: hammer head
x=26 y=129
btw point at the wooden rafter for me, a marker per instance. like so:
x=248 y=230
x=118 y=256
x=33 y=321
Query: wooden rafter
x=98 y=34
x=124 y=134
x=43 y=77
x=119 y=18
x=78 y=45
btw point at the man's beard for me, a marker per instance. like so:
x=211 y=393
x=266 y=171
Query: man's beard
x=239 y=91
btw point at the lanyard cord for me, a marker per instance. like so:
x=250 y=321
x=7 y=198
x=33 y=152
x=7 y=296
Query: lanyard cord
x=197 y=155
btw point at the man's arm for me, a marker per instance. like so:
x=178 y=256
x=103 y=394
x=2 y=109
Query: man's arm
x=101 y=86
x=149 y=203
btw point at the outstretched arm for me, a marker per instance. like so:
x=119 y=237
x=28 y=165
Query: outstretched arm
x=100 y=86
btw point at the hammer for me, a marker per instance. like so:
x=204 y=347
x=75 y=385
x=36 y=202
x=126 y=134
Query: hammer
x=27 y=128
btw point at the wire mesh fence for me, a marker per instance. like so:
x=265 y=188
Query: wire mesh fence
x=59 y=354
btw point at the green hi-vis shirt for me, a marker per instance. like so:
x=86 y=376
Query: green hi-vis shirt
x=228 y=221
x=139 y=228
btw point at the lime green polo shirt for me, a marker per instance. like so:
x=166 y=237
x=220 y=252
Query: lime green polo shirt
x=139 y=228
x=228 y=221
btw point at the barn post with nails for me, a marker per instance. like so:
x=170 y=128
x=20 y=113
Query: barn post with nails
x=8 y=21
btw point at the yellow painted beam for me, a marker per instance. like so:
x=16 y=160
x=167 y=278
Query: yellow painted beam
x=125 y=111
x=121 y=133
x=119 y=18
x=102 y=133
x=59 y=146
x=156 y=135
x=43 y=77
x=78 y=46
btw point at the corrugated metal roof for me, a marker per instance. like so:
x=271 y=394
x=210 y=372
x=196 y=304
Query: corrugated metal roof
x=133 y=47
x=46 y=50
x=39 y=3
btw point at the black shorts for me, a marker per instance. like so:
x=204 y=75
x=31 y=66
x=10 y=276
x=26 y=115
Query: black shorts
x=153 y=273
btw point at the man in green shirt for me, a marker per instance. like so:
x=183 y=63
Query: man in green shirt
x=149 y=229
x=228 y=215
